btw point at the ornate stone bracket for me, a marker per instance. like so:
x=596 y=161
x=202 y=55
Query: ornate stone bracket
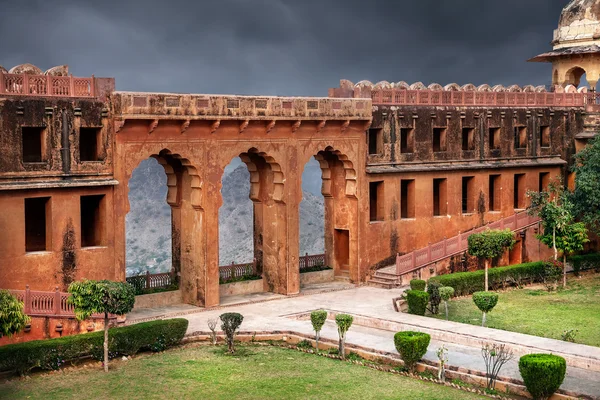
x=185 y=126
x=296 y=125
x=271 y=125
x=321 y=126
x=215 y=125
x=244 y=125
x=345 y=126
x=152 y=126
x=119 y=125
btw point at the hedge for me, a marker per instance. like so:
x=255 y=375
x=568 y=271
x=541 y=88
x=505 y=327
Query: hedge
x=585 y=262
x=466 y=283
x=417 y=301
x=542 y=373
x=418 y=284
x=124 y=341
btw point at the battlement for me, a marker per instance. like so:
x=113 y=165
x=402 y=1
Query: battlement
x=417 y=94
x=135 y=105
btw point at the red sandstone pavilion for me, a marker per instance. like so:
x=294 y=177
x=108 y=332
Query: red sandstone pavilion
x=408 y=171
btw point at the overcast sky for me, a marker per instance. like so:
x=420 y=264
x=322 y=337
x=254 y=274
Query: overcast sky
x=282 y=47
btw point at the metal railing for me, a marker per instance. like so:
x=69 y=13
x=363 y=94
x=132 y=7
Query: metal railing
x=46 y=85
x=458 y=244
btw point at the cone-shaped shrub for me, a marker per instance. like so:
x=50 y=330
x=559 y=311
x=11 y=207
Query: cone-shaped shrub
x=417 y=301
x=418 y=284
x=412 y=346
x=485 y=301
x=542 y=373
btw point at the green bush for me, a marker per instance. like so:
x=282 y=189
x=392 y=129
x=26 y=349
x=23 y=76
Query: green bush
x=230 y=322
x=417 y=301
x=585 y=262
x=52 y=353
x=412 y=346
x=433 y=288
x=317 y=319
x=485 y=301
x=418 y=284
x=466 y=283
x=446 y=292
x=542 y=373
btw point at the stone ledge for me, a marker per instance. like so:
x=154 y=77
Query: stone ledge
x=158 y=299
x=238 y=288
x=308 y=278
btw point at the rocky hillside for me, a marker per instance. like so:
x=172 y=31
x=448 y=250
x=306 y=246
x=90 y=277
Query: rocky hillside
x=149 y=219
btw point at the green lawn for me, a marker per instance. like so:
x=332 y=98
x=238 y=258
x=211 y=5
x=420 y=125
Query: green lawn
x=537 y=312
x=204 y=372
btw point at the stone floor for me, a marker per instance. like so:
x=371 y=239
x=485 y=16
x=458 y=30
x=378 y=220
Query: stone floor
x=376 y=323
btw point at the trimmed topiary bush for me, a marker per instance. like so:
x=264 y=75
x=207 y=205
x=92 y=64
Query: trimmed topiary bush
x=446 y=293
x=344 y=322
x=230 y=322
x=50 y=354
x=418 y=284
x=433 y=289
x=485 y=301
x=412 y=346
x=542 y=373
x=318 y=318
x=417 y=301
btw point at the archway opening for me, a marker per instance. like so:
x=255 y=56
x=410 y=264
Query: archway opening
x=312 y=220
x=255 y=211
x=149 y=229
x=236 y=216
x=574 y=77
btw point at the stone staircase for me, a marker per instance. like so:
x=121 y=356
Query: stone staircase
x=384 y=279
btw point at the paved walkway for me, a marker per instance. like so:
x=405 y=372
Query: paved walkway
x=376 y=323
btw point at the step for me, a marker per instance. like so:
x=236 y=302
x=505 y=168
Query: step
x=384 y=280
x=387 y=275
x=381 y=285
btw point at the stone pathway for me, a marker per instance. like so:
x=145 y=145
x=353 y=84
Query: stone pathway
x=376 y=323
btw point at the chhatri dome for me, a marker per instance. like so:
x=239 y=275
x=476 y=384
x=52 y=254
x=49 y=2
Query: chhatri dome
x=576 y=44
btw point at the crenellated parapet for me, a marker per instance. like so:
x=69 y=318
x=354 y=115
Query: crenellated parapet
x=134 y=105
x=417 y=94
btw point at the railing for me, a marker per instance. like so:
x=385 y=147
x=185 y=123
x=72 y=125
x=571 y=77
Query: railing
x=476 y=98
x=46 y=85
x=458 y=244
x=228 y=273
x=151 y=281
x=317 y=260
x=47 y=304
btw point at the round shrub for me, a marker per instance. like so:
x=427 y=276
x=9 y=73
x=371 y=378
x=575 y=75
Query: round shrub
x=418 y=284
x=542 y=373
x=417 y=301
x=446 y=292
x=485 y=301
x=412 y=346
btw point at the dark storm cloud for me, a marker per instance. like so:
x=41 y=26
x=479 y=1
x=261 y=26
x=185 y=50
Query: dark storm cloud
x=284 y=47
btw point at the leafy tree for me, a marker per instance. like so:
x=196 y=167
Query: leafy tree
x=344 y=322
x=587 y=189
x=230 y=322
x=556 y=209
x=12 y=317
x=101 y=297
x=490 y=244
x=318 y=318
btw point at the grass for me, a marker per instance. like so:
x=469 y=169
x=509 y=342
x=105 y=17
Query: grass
x=257 y=372
x=539 y=313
